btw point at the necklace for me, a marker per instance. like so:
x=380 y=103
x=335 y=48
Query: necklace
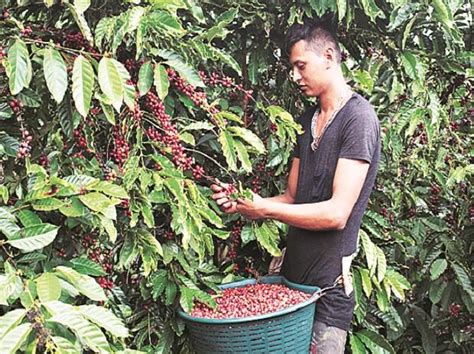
x=317 y=138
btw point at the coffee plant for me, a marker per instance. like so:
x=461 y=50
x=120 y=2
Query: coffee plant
x=115 y=118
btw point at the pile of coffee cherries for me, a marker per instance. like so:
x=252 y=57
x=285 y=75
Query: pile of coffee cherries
x=250 y=300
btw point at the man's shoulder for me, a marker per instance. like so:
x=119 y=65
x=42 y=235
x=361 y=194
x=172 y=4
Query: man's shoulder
x=359 y=103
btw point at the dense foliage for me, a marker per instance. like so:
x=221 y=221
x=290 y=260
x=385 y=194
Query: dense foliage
x=115 y=118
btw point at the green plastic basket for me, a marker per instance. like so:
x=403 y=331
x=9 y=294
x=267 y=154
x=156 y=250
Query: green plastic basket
x=285 y=331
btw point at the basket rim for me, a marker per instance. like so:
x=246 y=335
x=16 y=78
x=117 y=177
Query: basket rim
x=302 y=287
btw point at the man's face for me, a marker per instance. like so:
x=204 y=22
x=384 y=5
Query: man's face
x=309 y=69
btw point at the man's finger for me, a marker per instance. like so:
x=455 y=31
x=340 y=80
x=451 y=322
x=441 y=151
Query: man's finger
x=217 y=196
x=216 y=188
x=222 y=201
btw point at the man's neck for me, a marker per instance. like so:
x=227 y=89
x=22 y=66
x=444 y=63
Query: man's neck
x=330 y=99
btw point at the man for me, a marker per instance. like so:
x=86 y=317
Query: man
x=329 y=184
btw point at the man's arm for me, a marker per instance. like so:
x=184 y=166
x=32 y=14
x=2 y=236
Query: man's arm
x=288 y=197
x=328 y=215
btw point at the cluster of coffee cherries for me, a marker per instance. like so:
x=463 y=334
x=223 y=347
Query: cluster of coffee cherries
x=454 y=310
x=101 y=256
x=235 y=240
x=15 y=105
x=387 y=215
x=170 y=136
x=251 y=300
x=435 y=190
x=76 y=40
x=214 y=79
x=261 y=173
x=36 y=318
x=4 y=15
x=81 y=142
x=25 y=148
x=125 y=206
x=120 y=150
x=110 y=174
x=169 y=234
x=198 y=97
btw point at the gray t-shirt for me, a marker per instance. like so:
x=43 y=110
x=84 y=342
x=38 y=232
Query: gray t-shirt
x=315 y=257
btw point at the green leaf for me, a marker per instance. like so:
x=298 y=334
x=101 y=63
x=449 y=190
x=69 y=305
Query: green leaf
x=381 y=264
x=161 y=80
x=371 y=9
x=113 y=77
x=8 y=144
x=398 y=283
x=86 y=266
x=48 y=287
x=170 y=293
x=357 y=346
x=10 y=320
x=65 y=346
x=55 y=73
x=463 y=278
x=81 y=5
x=85 y=284
x=373 y=340
x=443 y=13
x=184 y=70
x=87 y=332
x=82 y=84
x=436 y=290
x=428 y=335
x=341 y=12
x=366 y=282
x=409 y=62
x=47 y=204
x=370 y=251
x=104 y=318
x=249 y=137
x=186 y=298
x=28 y=218
x=243 y=156
x=247 y=235
x=437 y=268
x=267 y=238
x=145 y=78
x=110 y=189
x=96 y=201
x=73 y=208
x=228 y=149
x=19 y=67
x=166 y=22
x=109 y=226
x=14 y=339
x=34 y=237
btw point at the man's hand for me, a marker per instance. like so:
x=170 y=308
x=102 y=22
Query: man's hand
x=252 y=209
x=222 y=199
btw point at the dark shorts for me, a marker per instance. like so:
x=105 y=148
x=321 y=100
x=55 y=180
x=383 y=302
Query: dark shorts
x=327 y=339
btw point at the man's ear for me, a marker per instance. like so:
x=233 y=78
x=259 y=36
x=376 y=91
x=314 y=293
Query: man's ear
x=330 y=56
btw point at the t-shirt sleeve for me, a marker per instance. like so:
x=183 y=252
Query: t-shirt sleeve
x=360 y=135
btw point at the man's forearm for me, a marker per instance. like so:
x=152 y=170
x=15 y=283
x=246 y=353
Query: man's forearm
x=282 y=198
x=313 y=216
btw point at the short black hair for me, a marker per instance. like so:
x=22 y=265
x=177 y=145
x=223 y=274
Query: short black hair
x=316 y=34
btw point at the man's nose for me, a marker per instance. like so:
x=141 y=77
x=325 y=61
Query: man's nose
x=295 y=75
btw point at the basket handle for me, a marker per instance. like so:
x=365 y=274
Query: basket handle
x=339 y=282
